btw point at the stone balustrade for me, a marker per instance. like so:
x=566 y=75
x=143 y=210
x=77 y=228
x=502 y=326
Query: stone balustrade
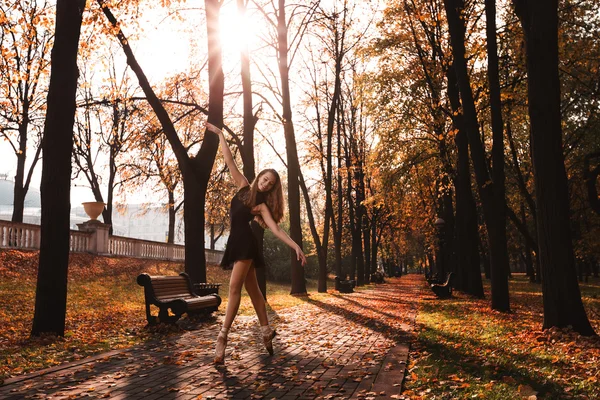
x=92 y=237
x=21 y=236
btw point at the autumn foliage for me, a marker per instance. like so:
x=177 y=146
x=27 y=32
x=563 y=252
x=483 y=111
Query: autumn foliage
x=465 y=350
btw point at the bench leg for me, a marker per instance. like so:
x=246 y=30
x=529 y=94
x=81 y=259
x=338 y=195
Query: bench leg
x=152 y=320
x=163 y=316
x=442 y=291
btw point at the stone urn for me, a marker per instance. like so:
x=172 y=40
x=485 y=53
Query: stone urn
x=93 y=209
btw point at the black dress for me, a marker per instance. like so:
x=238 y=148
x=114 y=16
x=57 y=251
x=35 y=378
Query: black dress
x=242 y=244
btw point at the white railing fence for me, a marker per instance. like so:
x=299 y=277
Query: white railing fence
x=22 y=236
x=94 y=238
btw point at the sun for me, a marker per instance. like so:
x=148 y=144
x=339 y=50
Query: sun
x=237 y=31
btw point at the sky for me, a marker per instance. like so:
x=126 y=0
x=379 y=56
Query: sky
x=161 y=52
x=167 y=45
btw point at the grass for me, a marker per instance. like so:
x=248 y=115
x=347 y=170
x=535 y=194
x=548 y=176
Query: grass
x=105 y=308
x=463 y=349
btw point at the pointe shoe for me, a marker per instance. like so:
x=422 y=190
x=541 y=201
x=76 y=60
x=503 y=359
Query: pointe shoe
x=268 y=340
x=220 y=348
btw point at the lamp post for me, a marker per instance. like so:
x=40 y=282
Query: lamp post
x=439 y=226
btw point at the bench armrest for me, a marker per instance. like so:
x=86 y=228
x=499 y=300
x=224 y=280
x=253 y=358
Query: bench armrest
x=204 y=289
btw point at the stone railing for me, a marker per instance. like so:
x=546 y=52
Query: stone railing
x=124 y=246
x=80 y=241
x=93 y=237
x=213 y=256
x=20 y=236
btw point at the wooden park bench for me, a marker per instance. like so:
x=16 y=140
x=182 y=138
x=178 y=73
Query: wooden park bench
x=433 y=278
x=443 y=289
x=344 y=286
x=377 y=277
x=177 y=294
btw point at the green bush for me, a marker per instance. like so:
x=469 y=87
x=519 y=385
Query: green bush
x=277 y=257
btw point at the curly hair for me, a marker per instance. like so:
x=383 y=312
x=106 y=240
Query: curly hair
x=273 y=198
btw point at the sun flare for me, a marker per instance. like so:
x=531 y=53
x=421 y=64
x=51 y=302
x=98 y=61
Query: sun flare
x=237 y=31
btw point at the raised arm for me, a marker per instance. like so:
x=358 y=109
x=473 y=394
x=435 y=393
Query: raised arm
x=239 y=179
x=265 y=213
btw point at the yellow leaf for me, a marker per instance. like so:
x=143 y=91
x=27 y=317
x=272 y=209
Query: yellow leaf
x=526 y=390
x=262 y=387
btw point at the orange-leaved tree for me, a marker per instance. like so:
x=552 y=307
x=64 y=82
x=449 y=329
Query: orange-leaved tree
x=25 y=39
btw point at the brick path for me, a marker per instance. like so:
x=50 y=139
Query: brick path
x=345 y=346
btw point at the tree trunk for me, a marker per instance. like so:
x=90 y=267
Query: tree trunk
x=247 y=149
x=447 y=212
x=500 y=265
x=19 y=190
x=340 y=205
x=298 y=281
x=334 y=110
x=261 y=273
x=527 y=249
x=319 y=246
x=374 y=245
x=497 y=243
x=590 y=177
x=366 y=233
x=357 y=249
x=51 y=290
x=562 y=298
x=172 y=215
x=466 y=228
x=351 y=217
x=31 y=66
x=112 y=173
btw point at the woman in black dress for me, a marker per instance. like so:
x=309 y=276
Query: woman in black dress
x=262 y=200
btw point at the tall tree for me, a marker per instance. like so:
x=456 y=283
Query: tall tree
x=151 y=161
x=500 y=267
x=498 y=247
x=104 y=126
x=324 y=96
x=467 y=236
x=590 y=176
x=57 y=142
x=354 y=154
x=25 y=39
x=338 y=226
x=293 y=166
x=286 y=48
x=195 y=170
x=561 y=295
x=247 y=146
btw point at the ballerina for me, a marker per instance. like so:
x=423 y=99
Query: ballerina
x=261 y=200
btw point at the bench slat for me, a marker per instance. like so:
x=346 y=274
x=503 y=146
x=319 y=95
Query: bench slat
x=169 y=284
x=171 y=290
x=173 y=295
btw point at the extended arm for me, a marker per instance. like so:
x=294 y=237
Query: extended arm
x=264 y=212
x=239 y=179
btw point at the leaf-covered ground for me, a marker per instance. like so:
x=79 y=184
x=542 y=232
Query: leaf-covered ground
x=465 y=350
x=461 y=349
x=105 y=308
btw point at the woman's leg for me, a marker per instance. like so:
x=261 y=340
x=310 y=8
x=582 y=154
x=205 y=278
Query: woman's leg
x=236 y=281
x=238 y=276
x=258 y=300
